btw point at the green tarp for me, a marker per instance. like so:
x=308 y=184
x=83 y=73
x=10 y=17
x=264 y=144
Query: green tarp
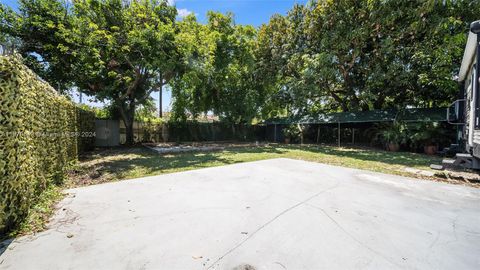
x=407 y=115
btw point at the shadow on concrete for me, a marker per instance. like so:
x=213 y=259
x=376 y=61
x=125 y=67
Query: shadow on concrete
x=4 y=245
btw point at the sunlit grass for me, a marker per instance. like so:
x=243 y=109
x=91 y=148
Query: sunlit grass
x=126 y=163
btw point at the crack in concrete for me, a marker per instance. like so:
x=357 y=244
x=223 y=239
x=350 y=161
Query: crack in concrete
x=268 y=223
x=281 y=264
x=454 y=230
x=434 y=242
x=454 y=227
x=353 y=237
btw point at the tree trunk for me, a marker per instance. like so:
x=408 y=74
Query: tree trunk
x=129 y=133
x=160 y=109
x=354 y=101
x=300 y=128
x=338 y=99
x=127 y=111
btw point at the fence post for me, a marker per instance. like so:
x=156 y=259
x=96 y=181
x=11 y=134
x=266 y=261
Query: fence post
x=301 y=134
x=338 y=134
x=213 y=132
x=353 y=136
x=275 y=133
x=318 y=133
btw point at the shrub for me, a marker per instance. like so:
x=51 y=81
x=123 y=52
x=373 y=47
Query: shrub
x=389 y=133
x=294 y=132
x=39 y=137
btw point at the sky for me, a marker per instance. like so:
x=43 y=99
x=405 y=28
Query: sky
x=254 y=12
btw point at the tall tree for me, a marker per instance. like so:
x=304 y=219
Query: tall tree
x=218 y=70
x=191 y=92
x=119 y=51
x=361 y=55
x=284 y=53
x=126 y=51
x=343 y=55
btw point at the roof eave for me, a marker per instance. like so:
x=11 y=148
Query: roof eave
x=467 y=56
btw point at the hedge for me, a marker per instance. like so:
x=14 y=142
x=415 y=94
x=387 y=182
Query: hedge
x=41 y=133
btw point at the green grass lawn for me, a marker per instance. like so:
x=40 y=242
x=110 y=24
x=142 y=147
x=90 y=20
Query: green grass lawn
x=124 y=163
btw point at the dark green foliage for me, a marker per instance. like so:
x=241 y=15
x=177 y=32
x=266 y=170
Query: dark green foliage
x=394 y=133
x=45 y=38
x=351 y=55
x=430 y=133
x=39 y=132
x=118 y=51
x=218 y=70
x=412 y=135
x=345 y=55
x=192 y=131
x=127 y=51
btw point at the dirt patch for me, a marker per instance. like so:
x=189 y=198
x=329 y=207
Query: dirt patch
x=184 y=149
x=176 y=148
x=102 y=165
x=471 y=178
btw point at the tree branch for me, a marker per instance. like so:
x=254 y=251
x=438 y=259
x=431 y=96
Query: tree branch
x=133 y=86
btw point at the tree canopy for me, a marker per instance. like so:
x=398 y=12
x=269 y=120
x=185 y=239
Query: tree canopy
x=352 y=55
x=118 y=51
x=219 y=67
x=127 y=50
x=42 y=33
x=344 y=55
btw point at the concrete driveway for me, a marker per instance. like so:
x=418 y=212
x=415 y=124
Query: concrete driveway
x=272 y=214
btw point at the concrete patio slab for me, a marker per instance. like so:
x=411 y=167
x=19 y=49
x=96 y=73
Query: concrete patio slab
x=271 y=214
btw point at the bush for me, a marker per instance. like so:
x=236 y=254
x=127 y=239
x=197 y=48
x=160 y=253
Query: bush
x=395 y=133
x=429 y=133
x=413 y=135
x=39 y=138
x=295 y=132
